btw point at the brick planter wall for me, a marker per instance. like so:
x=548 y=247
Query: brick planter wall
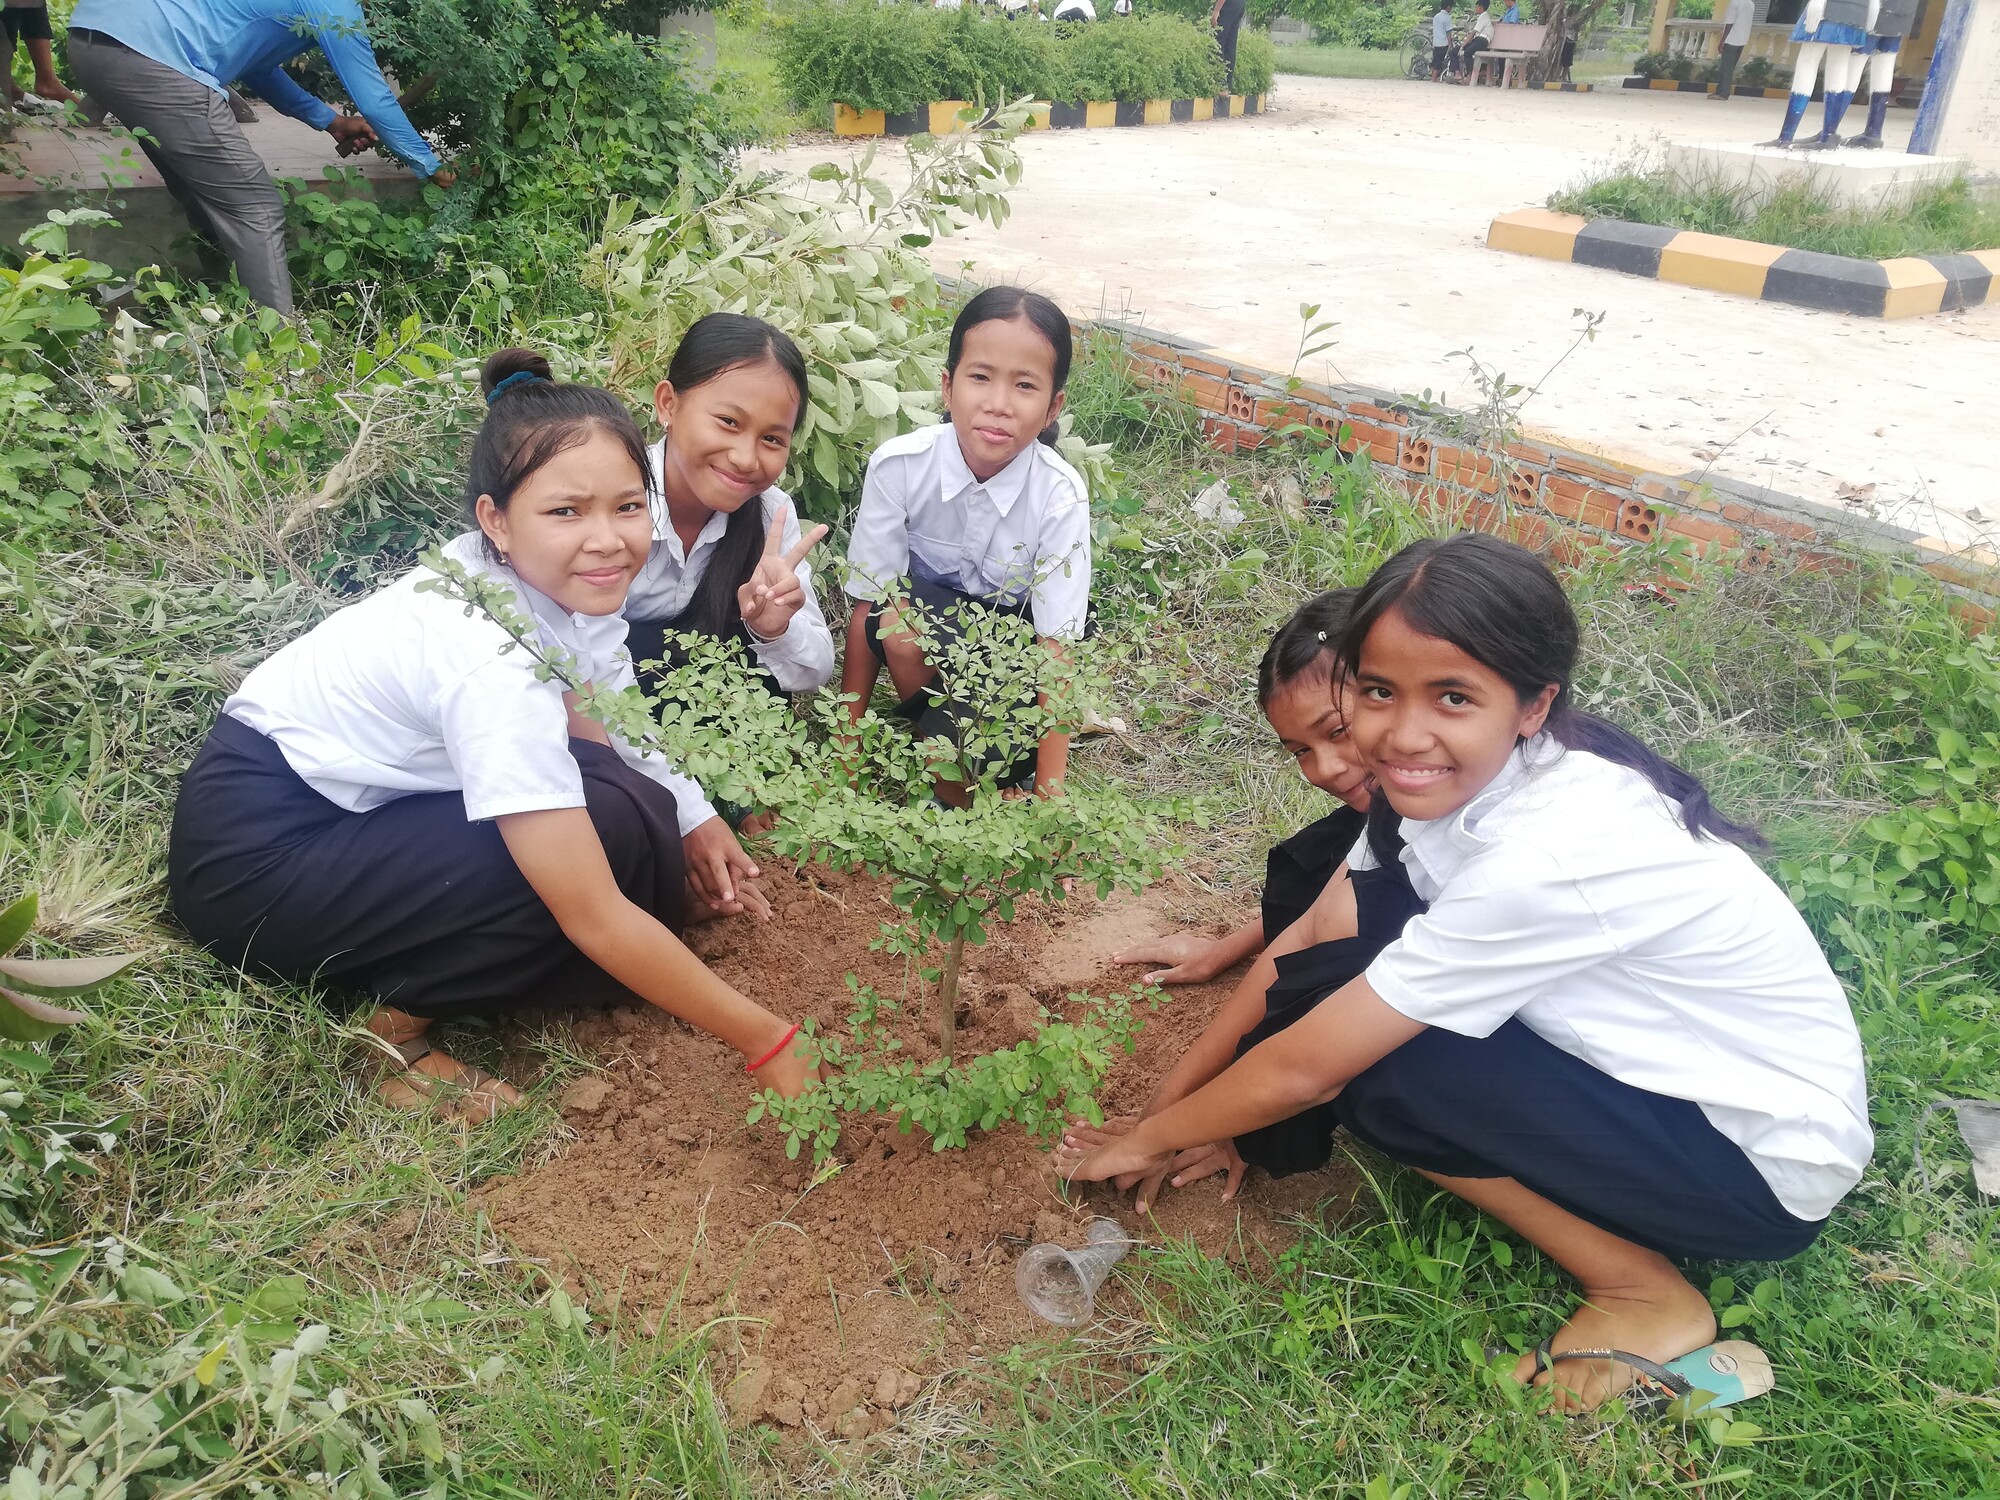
x=1546 y=495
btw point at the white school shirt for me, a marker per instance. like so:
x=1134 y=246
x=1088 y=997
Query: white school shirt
x=1441 y=29
x=1737 y=19
x=1076 y=10
x=1023 y=534
x=1568 y=894
x=1482 y=24
x=403 y=692
x=802 y=658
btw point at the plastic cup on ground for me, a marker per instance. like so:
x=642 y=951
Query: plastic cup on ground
x=1060 y=1285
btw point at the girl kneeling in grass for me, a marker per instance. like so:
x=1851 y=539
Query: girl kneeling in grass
x=1609 y=1029
x=396 y=803
x=1295 y=690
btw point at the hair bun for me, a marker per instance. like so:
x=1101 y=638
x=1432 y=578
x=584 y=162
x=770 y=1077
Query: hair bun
x=505 y=363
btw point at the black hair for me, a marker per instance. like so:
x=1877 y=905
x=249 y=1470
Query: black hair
x=1306 y=644
x=1001 y=304
x=1500 y=605
x=530 y=420
x=718 y=343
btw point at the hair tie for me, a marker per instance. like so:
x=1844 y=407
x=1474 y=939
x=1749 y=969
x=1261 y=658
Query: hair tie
x=1322 y=637
x=519 y=377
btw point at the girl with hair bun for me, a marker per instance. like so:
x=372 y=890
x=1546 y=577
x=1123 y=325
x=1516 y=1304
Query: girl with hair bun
x=1602 y=1024
x=395 y=804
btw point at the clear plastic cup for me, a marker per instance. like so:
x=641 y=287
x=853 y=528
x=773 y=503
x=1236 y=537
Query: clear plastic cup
x=1059 y=1284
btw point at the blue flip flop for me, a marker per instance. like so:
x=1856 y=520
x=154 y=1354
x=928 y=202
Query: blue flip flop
x=1712 y=1377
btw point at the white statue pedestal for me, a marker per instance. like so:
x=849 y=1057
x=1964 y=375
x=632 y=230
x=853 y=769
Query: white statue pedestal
x=1863 y=179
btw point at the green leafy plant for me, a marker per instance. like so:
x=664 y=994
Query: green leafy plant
x=1651 y=64
x=28 y=985
x=898 y=57
x=858 y=796
x=1256 y=62
x=843 y=275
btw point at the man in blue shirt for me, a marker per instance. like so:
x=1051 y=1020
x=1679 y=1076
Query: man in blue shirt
x=164 y=67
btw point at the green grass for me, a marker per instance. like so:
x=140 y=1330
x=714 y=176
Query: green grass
x=1322 y=61
x=742 y=52
x=1944 y=219
x=1354 y=1366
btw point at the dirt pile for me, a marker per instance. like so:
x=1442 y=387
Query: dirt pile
x=839 y=1294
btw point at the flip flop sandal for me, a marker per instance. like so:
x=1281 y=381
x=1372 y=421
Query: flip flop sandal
x=1710 y=1378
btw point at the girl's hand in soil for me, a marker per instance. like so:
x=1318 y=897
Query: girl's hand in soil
x=1118 y=1156
x=1193 y=958
x=1183 y=1167
x=792 y=1072
x=720 y=872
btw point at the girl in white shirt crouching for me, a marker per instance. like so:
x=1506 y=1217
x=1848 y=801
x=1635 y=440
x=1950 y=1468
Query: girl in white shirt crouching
x=979 y=513
x=395 y=804
x=1609 y=1030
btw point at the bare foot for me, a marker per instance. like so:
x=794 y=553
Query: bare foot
x=463 y=1092
x=1659 y=1320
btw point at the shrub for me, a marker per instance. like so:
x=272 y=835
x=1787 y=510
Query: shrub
x=1256 y=63
x=1695 y=10
x=1755 y=74
x=897 y=58
x=1680 y=68
x=1651 y=64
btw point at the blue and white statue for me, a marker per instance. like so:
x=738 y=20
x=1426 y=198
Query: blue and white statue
x=1894 y=20
x=1832 y=31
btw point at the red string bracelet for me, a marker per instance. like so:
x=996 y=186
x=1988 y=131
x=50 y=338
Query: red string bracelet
x=783 y=1042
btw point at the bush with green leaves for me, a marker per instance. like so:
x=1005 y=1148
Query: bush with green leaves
x=842 y=273
x=531 y=101
x=859 y=795
x=1922 y=703
x=899 y=57
x=1256 y=62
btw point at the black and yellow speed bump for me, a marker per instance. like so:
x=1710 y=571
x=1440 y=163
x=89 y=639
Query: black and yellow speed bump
x=952 y=114
x=1905 y=287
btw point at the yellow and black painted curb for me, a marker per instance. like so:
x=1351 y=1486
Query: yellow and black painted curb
x=1570 y=88
x=1689 y=86
x=1906 y=287
x=955 y=114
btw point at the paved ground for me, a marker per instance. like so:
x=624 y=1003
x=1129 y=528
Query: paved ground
x=1372 y=197
x=73 y=158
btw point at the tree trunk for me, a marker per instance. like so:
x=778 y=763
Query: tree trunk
x=1547 y=67
x=948 y=994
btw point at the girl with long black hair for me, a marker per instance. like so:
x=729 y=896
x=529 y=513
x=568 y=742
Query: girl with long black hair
x=728 y=557
x=396 y=803
x=1604 y=1026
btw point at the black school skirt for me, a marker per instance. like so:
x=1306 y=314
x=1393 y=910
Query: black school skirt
x=409 y=904
x=1296 y=871
x=1646 y=1167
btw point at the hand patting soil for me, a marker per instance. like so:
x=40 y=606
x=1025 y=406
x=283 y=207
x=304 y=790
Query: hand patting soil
x=839 y=1301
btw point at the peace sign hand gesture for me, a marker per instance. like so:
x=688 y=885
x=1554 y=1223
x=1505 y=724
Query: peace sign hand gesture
x=773 y=593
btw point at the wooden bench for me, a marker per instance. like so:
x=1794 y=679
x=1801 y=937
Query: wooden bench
x=1514 y=43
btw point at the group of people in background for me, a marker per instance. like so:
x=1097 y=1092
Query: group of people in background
x=1454 y=53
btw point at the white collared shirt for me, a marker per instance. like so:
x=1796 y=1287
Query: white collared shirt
x=1482 y=24
x=1568 y=894
x=802 y=658
x=1024 y=533
x=1737 y=20
x=404 y=692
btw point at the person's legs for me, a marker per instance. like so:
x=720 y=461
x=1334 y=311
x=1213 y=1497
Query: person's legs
x=1725 y=71
x=1472 y=50
x=1634 y=1299
x=1438 y=55
x=1608 y=1179
x=207 y=162
x=1228 y=27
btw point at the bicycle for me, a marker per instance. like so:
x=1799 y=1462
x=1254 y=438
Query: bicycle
x=1415 y=55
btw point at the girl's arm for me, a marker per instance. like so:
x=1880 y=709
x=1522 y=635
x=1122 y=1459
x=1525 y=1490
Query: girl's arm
x=558 y=850
x=1052 y=755
x=1194 y=959
x=1345 y=1034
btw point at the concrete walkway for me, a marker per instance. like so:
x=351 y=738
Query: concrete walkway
x=1371 y=198
x=73 y=158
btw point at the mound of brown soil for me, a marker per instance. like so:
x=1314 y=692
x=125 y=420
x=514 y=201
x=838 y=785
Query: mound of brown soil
x=839 y=1294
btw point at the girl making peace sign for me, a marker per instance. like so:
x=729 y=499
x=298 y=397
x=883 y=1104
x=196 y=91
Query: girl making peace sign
x=722 y=565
